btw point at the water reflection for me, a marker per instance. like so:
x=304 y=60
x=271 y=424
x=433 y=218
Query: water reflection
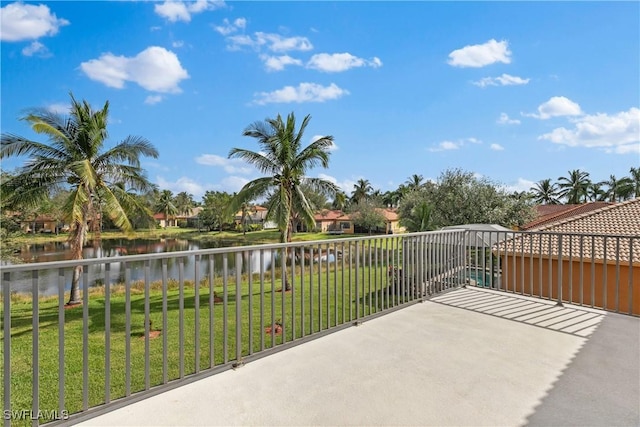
x=116 y=268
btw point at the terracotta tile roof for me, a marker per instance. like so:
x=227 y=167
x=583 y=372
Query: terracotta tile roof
x=552 y=213
x=609 y=230
x=389 y=214
x=331 y=215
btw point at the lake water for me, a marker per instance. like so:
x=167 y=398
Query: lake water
x=115 y=252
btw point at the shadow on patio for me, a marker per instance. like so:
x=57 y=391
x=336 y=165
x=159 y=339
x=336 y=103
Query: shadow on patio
x=468 y=357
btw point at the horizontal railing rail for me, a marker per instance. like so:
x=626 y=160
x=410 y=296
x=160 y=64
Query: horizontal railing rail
x=151 y=322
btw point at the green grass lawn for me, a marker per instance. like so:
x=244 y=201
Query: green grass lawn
x=317 y=302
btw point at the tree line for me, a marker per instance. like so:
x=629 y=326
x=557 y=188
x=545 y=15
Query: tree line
x=75 y=177
x=578 y=187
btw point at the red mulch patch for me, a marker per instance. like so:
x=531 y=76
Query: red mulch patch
x=152 y=334
x=278 y=329
x=68 y=306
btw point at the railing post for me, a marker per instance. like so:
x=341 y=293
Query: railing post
x=239 y=309
x=6 y=295
x=559 y=302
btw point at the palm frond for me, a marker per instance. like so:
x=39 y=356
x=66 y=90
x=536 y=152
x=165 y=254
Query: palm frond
x=258 y=160
x=250 y=192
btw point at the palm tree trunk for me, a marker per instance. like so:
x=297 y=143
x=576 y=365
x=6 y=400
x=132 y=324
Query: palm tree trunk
x=286 y=238
x=77 y=241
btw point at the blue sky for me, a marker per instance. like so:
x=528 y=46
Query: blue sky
x=513 y=91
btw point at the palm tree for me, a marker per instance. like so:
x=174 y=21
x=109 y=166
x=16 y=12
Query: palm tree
x=574 y=187
x=414 y=182
x=544 y=192
x=75 y=159
x=420 y=218
x=166 y=206
x=361 y=190
x=286 y=163
x=246 y=210
x=635 y=177
x=595 y=193
x=184 y=202
x=618 y=189
x=340 y=200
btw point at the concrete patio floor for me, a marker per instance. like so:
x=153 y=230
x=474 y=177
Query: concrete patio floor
x=470 y=357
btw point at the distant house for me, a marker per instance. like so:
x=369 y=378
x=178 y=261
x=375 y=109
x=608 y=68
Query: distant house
x=600 y=248
x=333 y=222
x=41 y=224
x=164 y=222
x=190 y=217
x=256 y=215
x=392 y=221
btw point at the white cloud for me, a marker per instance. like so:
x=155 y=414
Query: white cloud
x=182 y=184
x=155 y=69
x=36 y=48
x=233 y=184
x=505 y=120
x=446 y=146
x=345 y=185
x=153 y=99
x=272 y=42
x=58 y=108
x=229 y=165
x=480 y=55
x=503 y=80
x=19 y=21
x=338 y=62
x=496 y=147
x=181 y=11
x=277 y=63
x=305 y=92
x=177 y=44
x=618 y=133
x=556 y=106
x=520 y=185
x=454 y=145
x=229 y=27
x=238 y=42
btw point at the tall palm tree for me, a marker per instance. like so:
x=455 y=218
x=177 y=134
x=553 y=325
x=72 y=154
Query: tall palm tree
x=574 y=187
x=361 y=190
x=166 y=206
x=545 y=192
x=75 y=159
x=635 y=178
x=286 y=163
x=618 y=189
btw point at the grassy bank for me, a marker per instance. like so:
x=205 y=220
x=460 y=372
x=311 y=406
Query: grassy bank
x=250 y=238
x=316 y=302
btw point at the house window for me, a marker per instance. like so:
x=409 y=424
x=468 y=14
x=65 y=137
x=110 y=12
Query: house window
x=345 y=225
